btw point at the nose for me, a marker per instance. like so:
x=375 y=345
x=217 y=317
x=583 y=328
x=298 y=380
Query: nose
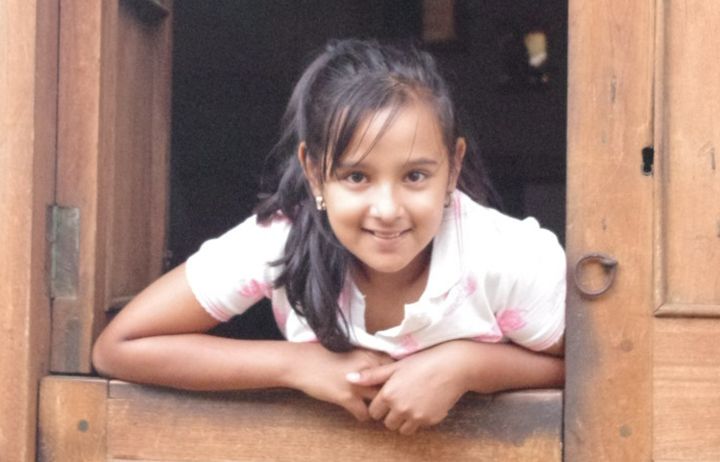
x=385 y=205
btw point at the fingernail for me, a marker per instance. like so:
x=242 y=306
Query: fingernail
x=353 y=376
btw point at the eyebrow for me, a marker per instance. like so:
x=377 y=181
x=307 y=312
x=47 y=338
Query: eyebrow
x=413 y=163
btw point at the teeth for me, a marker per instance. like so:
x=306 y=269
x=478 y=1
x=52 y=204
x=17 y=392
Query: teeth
x=386 y=235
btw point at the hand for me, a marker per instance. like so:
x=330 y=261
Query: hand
x=321 y=373
x=418 y=390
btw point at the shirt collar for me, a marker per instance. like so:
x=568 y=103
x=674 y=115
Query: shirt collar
x=445 y=261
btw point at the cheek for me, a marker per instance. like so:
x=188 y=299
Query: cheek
x=427 y=209
x=344 y=210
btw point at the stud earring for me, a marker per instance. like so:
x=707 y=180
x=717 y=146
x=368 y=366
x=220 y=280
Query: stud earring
x=448 y=199
x=320 y=203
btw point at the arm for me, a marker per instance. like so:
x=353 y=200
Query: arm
x=420 y=389
x=159 y=338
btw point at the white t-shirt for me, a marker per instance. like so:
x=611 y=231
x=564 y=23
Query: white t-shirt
x=493 y=278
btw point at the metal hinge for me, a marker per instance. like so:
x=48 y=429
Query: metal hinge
x=64 y=244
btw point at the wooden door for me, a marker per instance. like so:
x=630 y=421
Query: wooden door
x=112 y=167
x=112 y=170
x=644 y=188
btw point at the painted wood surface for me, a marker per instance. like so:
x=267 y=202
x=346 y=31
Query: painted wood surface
x=28 y=98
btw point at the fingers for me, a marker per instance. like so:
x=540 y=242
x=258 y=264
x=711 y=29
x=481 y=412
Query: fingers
x=373 y=376
x=378 y=409
x=357 y=408
x=366 y=393
x=409 y=427
x=393 y=420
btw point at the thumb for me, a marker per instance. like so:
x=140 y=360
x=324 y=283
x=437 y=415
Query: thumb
x=372 y=376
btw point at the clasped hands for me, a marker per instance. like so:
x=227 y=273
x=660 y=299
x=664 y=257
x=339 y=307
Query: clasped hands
x=406 y=394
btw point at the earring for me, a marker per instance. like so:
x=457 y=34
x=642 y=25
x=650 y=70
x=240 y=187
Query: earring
x=448 y=199
x=320 y=203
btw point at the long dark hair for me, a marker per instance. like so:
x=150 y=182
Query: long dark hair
x=348 y=81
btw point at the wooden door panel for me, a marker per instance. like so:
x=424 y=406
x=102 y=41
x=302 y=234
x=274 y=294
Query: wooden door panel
x=88 y=420
x=113 y=142
x=686 y=390
x=608 y=405
x=138 y=178
x=688 y=174
x=686 y=359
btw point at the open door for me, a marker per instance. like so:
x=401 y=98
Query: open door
x=644 y=189
x=112 y=167
x=114 y=82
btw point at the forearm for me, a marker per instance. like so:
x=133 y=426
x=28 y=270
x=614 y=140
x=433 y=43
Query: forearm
x=490 y=368
x=200 y=362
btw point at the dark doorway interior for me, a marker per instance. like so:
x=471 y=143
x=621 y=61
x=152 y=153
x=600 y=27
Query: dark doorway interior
x=235 y=61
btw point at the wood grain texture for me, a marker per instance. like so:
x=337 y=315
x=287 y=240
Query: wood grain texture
x=113 y=144
x=608 y=406
x=79 y=138
x=687 y=235
x=28 y=99
x=138 y=158
x=278 y=425
x=688 y=311
x=687 y=390
x=72 y=419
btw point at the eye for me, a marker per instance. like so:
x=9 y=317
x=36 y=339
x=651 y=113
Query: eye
x=416 y=176
x=355 y=177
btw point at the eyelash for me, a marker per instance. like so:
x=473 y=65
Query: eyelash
x=349 y=177
x=423 y=175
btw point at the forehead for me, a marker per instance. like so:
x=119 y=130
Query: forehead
x=408 y=131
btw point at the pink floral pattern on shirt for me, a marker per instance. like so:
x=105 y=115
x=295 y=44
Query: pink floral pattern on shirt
x=460 y=293
x=408 y=346
x=510 y=320
x=255 y=289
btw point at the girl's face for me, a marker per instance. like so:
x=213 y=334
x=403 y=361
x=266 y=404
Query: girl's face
x=386 y=195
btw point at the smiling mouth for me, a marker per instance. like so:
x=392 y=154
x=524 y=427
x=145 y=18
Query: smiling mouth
x=386 y=235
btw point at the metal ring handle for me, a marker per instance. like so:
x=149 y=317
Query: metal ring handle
x=608 y=263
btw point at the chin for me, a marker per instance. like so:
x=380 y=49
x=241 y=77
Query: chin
x=386 y=267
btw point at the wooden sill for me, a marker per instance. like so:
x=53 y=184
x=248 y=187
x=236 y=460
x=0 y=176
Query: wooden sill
x=101 y=420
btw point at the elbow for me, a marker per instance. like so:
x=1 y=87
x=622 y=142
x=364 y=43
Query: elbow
x=104 y=357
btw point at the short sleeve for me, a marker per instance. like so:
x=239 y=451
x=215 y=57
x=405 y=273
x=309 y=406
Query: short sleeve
x=231 y=273
x=533 y=314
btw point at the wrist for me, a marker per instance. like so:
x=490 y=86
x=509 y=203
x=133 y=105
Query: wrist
x=501 y=367
x=294 y=364
x=466 y=364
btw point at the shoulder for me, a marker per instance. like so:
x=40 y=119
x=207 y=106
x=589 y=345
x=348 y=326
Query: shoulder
x=250 y=240
x=506 y=252
x=499 y=236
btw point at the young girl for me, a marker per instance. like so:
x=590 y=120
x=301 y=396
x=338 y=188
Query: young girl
x=396 y=289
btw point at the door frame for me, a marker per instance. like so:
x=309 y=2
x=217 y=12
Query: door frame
x=28 y=88
x=28 y=91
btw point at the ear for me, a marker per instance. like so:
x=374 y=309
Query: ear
x=457 y=160
x=310 y=170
